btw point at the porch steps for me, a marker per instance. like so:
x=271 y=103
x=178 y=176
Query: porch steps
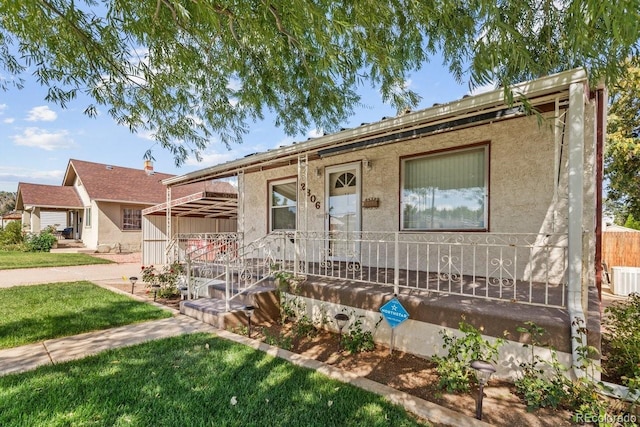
x=213 y=311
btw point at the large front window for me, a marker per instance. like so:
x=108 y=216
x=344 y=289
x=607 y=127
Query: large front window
x=445 y=191
x=132 y=219
x=283 y=204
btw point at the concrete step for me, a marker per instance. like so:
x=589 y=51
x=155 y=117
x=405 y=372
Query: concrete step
x=213 y=310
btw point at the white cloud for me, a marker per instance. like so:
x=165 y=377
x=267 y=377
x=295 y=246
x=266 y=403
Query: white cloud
x=10 y=176
x=404 y=86
x=2 y=108
x=145 y=134
x=40 y=138
x=41 y=114
x=315 y=133
x=9 y=120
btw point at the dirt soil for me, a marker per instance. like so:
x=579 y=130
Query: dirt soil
x=417 y=376
x=402 y=371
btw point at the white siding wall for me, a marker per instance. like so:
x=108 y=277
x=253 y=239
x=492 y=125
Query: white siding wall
x=154 y=239
x=53 y=218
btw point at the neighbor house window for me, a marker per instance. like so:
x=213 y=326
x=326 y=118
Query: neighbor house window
x=132 y=219
x=445 y=191
x=87 y=217
x=283 y=196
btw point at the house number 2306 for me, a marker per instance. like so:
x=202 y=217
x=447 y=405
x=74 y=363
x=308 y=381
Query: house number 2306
x=312 y=197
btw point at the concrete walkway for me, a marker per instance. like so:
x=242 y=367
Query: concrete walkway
x=94 y=273
x=64 y=349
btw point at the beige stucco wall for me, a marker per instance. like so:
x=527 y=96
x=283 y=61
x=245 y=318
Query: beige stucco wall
x=522 y=180
x=111 y=235
x=88 y=234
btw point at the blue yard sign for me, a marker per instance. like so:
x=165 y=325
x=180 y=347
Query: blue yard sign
x=394 y=312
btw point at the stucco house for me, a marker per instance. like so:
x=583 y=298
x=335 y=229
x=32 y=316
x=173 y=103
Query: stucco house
x=470 y=208
x=101 y=203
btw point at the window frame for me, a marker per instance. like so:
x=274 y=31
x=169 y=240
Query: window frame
x=486 y=146
x=270 y=206
x=124 y=219
x=87 y=216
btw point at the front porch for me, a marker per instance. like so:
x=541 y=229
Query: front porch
x=528 y=269
x=496 y=282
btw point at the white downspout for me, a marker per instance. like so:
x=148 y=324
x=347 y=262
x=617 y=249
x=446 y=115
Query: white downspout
x=575 y=120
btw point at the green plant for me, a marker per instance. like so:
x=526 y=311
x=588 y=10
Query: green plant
x=304 y=327
x=40 y=242
x=621 y=335
x=280 y=340
x=12 y=234
x=282 y=278
x=536 y=386
x=357 y=340
x=454 y=371
x=544 y=383
x=166 y=280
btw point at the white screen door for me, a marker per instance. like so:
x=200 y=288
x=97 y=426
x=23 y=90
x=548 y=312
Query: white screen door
x=343 y=213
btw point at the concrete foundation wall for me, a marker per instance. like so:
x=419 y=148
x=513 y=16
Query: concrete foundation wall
x=422 y=338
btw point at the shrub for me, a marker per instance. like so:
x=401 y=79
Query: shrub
x=622 y=339
x=545 y=384
x=357 y=340
x=41 y=242
x=454 y=369
x=11 y=234
x=166 y=281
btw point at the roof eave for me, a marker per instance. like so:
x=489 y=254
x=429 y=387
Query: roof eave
x=535 y=88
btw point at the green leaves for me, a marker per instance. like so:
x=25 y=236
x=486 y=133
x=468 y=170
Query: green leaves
x=191 y=72
x=622 y=154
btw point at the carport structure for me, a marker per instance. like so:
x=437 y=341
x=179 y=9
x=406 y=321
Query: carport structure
x=214 y=210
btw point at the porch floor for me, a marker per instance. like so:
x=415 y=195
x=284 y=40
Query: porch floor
x=501 y=288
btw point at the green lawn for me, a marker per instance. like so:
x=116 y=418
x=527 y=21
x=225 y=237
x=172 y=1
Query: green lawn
x=34 y=313
x=11 y=260
x=190 y=380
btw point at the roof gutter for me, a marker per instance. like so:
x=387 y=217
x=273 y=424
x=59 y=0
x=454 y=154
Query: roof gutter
x=544 y=86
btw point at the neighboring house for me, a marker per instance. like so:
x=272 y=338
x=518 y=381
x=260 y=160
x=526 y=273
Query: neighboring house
x=101 y=203
x=10 y=216
x=471 y=208
x=45 y=206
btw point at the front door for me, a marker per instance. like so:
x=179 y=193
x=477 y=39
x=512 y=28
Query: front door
x=343 y=213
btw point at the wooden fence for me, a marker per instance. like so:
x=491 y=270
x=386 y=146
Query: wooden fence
x=621 y=249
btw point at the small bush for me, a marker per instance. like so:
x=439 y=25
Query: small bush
x=622 y=339
x=357 y=340
x=454 y=369
x=41 y=242
x=11 y=234
x=279 y=340
x=165 y=282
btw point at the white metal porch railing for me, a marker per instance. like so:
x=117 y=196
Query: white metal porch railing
x=523 y=268
x=218 y=260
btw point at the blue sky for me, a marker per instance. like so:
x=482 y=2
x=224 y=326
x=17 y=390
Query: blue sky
x=37 y=138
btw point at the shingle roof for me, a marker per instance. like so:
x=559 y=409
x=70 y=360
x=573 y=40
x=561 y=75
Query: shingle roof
x=119 y=184
x=48 y=196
